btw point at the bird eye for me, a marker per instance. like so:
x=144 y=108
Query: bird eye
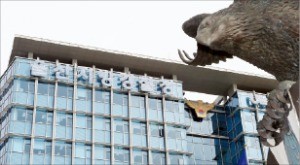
x=206 y=23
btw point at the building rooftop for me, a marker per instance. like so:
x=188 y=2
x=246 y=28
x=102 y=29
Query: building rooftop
x=208 y=80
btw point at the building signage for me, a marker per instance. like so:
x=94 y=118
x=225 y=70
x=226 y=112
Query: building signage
x=106 y=79
x=39 y=69
x=61 y=72
x=146 y=84
x=85 y=74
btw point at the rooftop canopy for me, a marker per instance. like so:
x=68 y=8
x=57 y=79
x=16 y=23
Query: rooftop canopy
x=197 y=79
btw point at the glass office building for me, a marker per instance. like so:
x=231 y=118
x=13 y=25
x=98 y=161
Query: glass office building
x=57 y=113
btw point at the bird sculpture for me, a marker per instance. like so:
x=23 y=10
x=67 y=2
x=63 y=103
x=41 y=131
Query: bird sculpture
x=264 y=33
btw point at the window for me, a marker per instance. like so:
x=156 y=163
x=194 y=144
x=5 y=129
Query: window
x=102 y=130
x=84 y=99
x=177 y=159
x=155 y=109
x=23 y=92
x=103 y=155
x=45 y=95
x=9 y=96
x=205 y=125
x=140 y=157
x=43 y=126
x=158 y=158
x=21 y=120
x=64 y=125
x=42 y=151
x=64 y=99
x=204 y=149
x=83 y=127
x=62 y=152
x=176 y=138
x=139 y=134
x=23 y=67
x=20 y=150
x=157 y=136
x=120 y=105
x=102 y=102
x=5 y=123
x=137 y=108
x=174 y=112
x=121 y=132
x=222 y=124
x=83 y=153
x=121 y=156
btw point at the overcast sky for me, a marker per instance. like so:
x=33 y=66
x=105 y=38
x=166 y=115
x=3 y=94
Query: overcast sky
x=151 y=28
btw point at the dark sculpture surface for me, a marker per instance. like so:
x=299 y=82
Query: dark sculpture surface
x=264 y=33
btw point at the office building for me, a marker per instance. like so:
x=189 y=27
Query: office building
x=68 y=104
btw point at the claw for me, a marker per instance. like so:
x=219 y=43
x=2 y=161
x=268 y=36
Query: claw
x=273 y=141
x=195 y=55
x=187 y=55
x=268 y=123
x=187 y=61
x=263 y=132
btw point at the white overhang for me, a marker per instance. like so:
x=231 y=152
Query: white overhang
x=198 y=79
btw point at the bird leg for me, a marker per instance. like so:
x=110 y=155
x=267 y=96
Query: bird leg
x=274 y=124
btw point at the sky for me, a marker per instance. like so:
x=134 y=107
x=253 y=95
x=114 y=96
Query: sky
x=151 y=28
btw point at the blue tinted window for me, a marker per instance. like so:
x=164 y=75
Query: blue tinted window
x=82 y=153
x=42 y=151
x=121 y=132
x=157 y=136
x=102 y=130
x=20 y=150
x=62 y=152
x=84 y=99
x=139 y=134
x=21 y=121
x=155 y=109
x=64 y=99
x=121 y=156
x=43 y=126
x=64 y=125
x=158 y=158
x=137 y=107
x=120 y=105
x=23 y=92
x=102 y=102
x=140 y=157
x=83 y=127
x=103 y=154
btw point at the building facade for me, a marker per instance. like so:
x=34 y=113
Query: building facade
x=58 y=113
x=70 y=104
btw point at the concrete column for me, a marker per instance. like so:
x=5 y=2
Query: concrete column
x=126 y=70
x=112 y=157
x=54 y=120
x=148 y=128
x=232 y=90
x=93 y=116
x=74 y=61
x=33 y=121
x=165 y=129
x=30 y=55
x=130 y=130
